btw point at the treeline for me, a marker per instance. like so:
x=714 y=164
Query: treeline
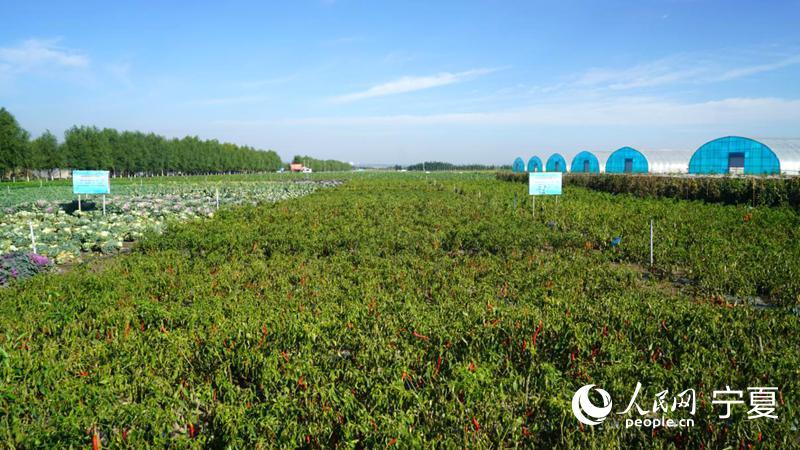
x=123 y=153
x=438 y=165
x=754 y=191
x=322 y=165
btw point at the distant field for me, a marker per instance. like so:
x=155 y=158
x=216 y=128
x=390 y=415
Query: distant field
x=410 y=310
x=61 y=190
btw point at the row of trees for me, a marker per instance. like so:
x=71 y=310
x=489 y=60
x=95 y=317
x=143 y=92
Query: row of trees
x=123 y=153
x=322 y=165
x=438 y=165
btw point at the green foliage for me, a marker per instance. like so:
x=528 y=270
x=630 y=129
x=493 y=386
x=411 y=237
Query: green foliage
x=14 y=149
x=124 y=153
x=45 y=152
x=753 y=191
x=440 y=166
x=320 y=165
x=135 y=152
x=399 y=309
x=87 y=147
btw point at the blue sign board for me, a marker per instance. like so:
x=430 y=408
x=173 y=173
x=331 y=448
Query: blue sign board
x=544 y=183
x=90 y=182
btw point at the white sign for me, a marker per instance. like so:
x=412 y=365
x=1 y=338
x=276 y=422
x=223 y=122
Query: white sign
x=90 y=182
x=544 y=183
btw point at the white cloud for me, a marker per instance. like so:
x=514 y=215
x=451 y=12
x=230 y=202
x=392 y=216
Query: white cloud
x=629 y=111
x=35 y=54
x=411 y=84
x=741 y=72
x=686 y=69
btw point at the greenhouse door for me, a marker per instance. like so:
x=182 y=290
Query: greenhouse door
x=628 y=165
x=558 y=166
x=736 y=163
x=586 y=166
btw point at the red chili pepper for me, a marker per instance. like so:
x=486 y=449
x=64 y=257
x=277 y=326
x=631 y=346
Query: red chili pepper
x=191 y=430
x=605 y=330
x=95 y=441
x=124 y=434
x=438 y=363
x=471 y=366
x=420 y=336
x=572 y=355
x=477 y=425
x=392 y=442
x=536 y=333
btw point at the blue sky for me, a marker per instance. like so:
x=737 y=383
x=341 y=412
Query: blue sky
x=398 y=82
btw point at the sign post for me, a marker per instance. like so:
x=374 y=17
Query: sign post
x=543 y=183
x=651 y=242
x=33 y=238
x=91 y=182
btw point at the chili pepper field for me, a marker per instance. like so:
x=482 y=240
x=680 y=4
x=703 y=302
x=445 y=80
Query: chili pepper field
x=411 y=311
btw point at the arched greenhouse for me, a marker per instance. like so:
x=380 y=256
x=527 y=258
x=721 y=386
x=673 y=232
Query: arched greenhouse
x=788 y=151
x=627 y=160
x=518 y=166
x=534 y=164
x=556 y=163
x=585 y=162
x=736 y=155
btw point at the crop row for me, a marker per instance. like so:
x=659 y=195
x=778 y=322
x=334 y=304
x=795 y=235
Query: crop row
x=753 y=191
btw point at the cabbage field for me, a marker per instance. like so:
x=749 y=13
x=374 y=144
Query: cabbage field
x=401 y=310
x=64 y=234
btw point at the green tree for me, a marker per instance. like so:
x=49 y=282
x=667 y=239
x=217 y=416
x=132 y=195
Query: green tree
x=45 y=152
x=88 y=148
x=14 y=148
